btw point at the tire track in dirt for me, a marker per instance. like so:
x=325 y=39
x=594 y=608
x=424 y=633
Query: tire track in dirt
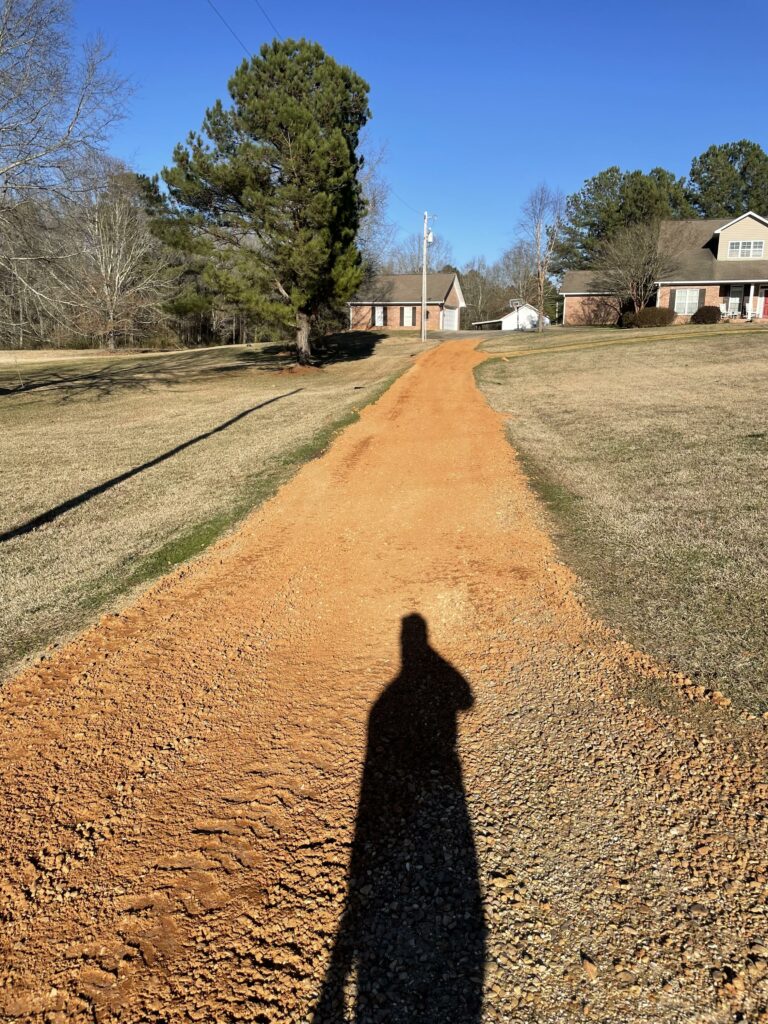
x=181 y=784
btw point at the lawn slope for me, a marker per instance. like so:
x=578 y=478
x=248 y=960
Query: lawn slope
x=652 y=456
x=117 y=468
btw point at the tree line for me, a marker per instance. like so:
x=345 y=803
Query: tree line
x=259 y=225
x=268 y=217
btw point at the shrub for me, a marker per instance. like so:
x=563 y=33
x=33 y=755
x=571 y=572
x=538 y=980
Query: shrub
x=650 y=316
x=706 y=315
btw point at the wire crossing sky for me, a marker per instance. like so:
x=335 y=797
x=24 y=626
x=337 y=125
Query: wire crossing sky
x=474 y=106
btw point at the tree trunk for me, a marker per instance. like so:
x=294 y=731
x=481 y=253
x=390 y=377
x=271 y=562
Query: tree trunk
x=303 y=349
x=540 y=324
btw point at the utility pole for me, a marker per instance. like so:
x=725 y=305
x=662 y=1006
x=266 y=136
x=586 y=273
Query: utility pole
x=424 y=279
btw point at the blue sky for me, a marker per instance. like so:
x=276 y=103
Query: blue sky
x=474 y=103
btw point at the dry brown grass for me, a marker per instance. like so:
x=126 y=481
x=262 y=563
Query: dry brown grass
x=78 y=423
x=652 y=455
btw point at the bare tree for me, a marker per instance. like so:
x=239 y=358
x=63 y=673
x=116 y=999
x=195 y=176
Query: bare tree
x=631 y=261
x=33 y=238
x=55 y=107
x=517 y=269
x=405 y=258
x=541 y=224
x=87 y=267
x=485 y=291
x=375 y=236
x=122 y=273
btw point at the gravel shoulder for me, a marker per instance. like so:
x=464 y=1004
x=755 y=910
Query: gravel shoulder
x=370 y=758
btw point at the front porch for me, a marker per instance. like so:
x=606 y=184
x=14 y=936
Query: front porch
x=743 y=300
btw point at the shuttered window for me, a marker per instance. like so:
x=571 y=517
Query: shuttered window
x=687 y=300
x=407 y=320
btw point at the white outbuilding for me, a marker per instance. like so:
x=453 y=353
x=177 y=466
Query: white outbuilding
x=524 y=317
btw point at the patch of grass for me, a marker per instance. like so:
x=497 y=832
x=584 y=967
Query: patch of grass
x=67 y=438
x=559 y=500
x=651 y=462
x=514 y=344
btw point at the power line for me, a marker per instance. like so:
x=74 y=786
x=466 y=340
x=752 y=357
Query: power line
x=216 y=10
x=412 y=208
x=272 y=24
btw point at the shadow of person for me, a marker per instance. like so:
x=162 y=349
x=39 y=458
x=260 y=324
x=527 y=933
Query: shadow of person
x=410 y=948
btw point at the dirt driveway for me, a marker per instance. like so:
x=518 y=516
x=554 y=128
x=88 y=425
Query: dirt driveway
x=371 y=752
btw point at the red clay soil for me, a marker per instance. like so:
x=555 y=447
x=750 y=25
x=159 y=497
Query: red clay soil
x=370 y=759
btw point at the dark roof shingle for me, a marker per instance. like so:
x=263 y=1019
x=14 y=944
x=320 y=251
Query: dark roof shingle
x=692 y=246
x=405 y=288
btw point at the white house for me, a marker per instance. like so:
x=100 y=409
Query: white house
x=524 y=318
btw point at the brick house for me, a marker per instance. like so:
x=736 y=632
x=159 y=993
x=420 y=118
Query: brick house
x=717 y=262
x=394 y=301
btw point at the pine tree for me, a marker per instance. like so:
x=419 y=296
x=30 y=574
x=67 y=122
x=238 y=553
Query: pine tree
x=728 y=180
x=270 y=186
x=615 y=199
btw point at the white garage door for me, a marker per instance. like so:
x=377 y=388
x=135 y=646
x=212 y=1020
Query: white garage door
x=450 y=319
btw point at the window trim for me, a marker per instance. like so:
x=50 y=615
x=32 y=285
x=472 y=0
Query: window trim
x=687 y=292
x=756 y=249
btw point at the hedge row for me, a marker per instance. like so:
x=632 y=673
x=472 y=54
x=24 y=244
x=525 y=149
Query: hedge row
x=706 y=315
x=651 y=316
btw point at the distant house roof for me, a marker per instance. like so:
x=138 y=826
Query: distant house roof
x=694 y=245
x=406 y=288
x=580 y=282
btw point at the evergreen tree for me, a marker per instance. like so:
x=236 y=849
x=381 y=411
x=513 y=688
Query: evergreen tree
x=269 y=188
x=728 y=180
x=615 y=199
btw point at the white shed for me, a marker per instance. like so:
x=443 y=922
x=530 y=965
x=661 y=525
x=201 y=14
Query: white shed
x=524 y=318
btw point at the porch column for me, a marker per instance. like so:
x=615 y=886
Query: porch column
x=751 y=300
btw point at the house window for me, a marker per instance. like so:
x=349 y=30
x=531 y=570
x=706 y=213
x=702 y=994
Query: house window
x=379 y=319
x=686 y=301
x=407 y=316
x=745 y=250
x=735 y=298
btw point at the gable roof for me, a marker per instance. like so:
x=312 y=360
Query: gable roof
x=406 y=288
x=736 y=220
x=694 y=245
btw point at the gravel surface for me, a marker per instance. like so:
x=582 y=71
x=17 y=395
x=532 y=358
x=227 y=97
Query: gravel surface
x=371 y=760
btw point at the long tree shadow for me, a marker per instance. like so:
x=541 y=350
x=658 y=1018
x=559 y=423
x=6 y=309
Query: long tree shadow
x=80 y=499
x=102 y=377
x=410 y=948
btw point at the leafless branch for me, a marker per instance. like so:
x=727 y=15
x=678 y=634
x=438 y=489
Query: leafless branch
x=541 y=223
